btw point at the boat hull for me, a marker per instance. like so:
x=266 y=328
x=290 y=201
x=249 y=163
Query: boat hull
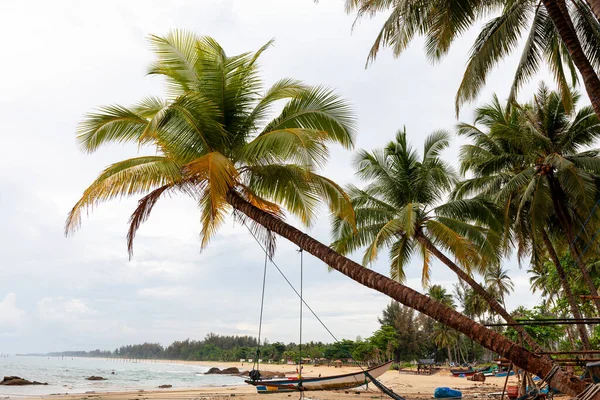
x=336 y=382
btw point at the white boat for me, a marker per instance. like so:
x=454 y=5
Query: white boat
x=335 y=382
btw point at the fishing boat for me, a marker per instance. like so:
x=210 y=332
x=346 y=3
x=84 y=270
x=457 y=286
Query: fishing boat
x=335 y=382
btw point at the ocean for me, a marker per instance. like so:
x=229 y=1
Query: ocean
x=67 y=375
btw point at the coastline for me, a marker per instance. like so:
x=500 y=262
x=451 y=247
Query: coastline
x=406 y=384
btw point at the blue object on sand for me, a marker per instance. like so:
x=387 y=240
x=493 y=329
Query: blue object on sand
x=447 y=393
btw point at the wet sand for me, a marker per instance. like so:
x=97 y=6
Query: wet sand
x=406 y=383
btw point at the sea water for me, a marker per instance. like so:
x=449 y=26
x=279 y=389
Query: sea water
x=68 y=375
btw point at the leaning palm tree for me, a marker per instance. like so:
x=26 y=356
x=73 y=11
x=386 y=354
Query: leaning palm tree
x=402 y=208
x=534 y=161
x=214 y=144
x=562 y=34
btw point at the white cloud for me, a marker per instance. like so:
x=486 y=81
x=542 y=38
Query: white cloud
x=165 y=292
x=11 y=316
x=63 y=309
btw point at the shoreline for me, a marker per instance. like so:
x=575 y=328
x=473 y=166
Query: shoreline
x=405 y=383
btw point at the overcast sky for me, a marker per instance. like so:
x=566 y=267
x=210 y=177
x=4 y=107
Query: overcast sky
x=64 y=58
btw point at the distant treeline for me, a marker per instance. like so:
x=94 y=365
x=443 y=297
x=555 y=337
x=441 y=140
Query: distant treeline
x=216 y=347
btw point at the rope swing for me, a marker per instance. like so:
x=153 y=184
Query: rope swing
x=255 y=373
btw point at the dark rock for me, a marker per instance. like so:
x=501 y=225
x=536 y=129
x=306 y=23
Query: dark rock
x=230 y=371
x=95 y=378
x=165 y=386
x=213 y=370
x=226 y=371
x=18 y=381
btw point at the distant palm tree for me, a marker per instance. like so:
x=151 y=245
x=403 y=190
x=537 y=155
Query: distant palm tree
x=439 y=293
x=497 y=277
x=562 y=34
x=444 y=337
x=400 y=209
x=535 y=162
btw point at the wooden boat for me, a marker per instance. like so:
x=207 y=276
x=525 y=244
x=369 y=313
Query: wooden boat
x=336 y=382
x=592 y=372
x=469 y=371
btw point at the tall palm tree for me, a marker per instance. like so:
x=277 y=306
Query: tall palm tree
x=401 y=208
x=443 y=336
x=213 y=144
x=496 y=276
x=534 y=161
x=563 y=35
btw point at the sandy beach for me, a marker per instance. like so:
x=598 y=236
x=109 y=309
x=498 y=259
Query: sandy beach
x=406 y=383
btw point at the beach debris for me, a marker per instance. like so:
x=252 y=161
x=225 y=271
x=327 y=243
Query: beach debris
x=165 y=386
x=477 y=377
x=95 y=378
x=18 y=381
x=447 y=393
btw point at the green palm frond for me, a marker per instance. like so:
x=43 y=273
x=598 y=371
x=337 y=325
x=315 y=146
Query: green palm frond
x=318 y=108
x=176 y=55
x=300 y=146
x=498 y=38
x=110 y=124
x=401 y=252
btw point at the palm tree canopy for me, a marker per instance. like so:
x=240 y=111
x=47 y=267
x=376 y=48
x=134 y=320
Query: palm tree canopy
x=517 y=24
x=440 y=294
x=403 y=198
x=498 y=278
x=516 y=155
x=214 y=135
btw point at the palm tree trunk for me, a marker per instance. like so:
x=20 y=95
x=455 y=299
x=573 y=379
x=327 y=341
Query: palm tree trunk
x=595 y=6
x=449 y=354
x=557 y=12
x=567 y=289
x=559 y=201
x=525 y=359
x=480 y=290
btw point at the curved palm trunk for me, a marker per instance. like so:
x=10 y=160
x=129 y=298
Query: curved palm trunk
x=525 y=359
x=480 y=290
x=567 y=289
x=565 y=29
x=595 y=6
x=559 y=201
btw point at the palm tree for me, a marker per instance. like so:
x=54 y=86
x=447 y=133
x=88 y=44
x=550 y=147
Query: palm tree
x=440 y=294
x=399 y=209
x=534 y=162
x=443 y=336
x=564 y=36
x=213 y=144
x=497 y=277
